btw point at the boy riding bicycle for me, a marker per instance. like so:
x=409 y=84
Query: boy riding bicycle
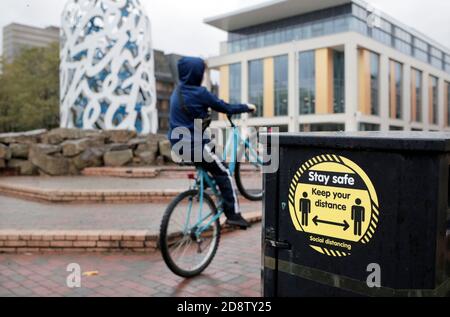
x=191 y=101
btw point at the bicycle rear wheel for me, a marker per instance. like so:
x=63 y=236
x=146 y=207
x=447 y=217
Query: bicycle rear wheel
x=249 y=174
x=249 y=181
x=186 y=253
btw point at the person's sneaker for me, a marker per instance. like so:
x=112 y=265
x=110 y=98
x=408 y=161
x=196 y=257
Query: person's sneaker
x=238 y=221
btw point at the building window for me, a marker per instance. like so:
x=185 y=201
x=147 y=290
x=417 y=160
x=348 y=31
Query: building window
x=395 y=128
x=281 y=85
x=307 y=82
x=403 y=41
x=396 y=93
x=359 y=12
x=339 y=82
x=322 y=127
x=235 y=83
x=399 y=89
x=434 y=101
x=256 y=85
x=369 y=127
x=374 y=84
x=448 y=103
x=278 y=128
x=416 y=101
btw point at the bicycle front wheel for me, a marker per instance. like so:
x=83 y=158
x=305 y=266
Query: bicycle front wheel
x=189 y=234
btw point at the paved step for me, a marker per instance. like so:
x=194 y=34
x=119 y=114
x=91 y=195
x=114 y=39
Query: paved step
x=125 y=172
x=141 y=241
x=89 y=196
x=141 y=172
x=83 y=189
x=170 y=171
x=95 y=189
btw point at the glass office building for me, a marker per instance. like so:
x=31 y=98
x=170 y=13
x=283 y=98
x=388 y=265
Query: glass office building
x=374 y=84
x=235 y=83
x=336 y=63
x=256 y=85
x=307 y=82
x=281 y=70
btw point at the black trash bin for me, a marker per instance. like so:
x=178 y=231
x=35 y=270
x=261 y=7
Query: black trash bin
x=350 y=214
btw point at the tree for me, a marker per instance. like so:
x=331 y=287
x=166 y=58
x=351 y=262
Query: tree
x=29 y=91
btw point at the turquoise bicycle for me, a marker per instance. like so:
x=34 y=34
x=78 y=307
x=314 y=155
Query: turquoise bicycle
x=190 y=229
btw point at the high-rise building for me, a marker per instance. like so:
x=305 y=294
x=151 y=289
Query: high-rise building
x=17 y=37
x=166 y=75
x=327 y=65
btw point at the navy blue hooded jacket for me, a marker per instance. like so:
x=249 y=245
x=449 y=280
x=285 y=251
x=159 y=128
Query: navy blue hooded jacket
x=197 y=99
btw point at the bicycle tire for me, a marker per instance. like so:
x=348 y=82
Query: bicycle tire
x=246 y=193
x=163 y=241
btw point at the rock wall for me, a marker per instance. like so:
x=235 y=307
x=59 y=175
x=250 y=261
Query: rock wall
x=63 y=152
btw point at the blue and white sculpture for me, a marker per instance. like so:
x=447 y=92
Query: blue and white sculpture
x=107 y=68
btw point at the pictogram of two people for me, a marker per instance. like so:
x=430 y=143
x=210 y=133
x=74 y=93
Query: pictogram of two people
x=358 y=213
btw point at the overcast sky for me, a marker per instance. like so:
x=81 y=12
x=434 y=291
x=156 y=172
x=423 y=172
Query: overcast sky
x=178 y=24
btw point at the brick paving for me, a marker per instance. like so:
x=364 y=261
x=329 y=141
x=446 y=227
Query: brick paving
x=234 y=272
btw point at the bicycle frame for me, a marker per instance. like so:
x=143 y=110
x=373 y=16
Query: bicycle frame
x=202 y=178
x=233 y=143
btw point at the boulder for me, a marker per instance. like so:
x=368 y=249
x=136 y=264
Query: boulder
x=19 y=150
x=73 y=169
x=50 y=165
x=24 y=167
x=119 y=136
x=134 y=143
x=149 y=146
x=47 y=148
x=29 y=137
x=160 y=161
x=72 y=148
x=136 y=161
x=158 y=137
x=165 y=149
x=92 y=157
x=118 y=158
x=57 y=136
x=116 y=147
x=147 y=158
x=52 y=139
x=5 y=152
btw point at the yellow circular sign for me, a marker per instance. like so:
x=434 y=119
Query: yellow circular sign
x=333 y=201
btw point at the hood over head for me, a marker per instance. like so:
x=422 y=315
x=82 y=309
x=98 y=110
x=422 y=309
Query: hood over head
x=191 y=71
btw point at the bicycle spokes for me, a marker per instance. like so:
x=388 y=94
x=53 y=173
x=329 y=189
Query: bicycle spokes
x=192 y=232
